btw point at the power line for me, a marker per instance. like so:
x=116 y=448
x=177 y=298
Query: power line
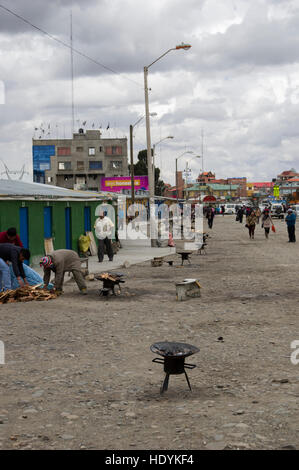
x=82 y=54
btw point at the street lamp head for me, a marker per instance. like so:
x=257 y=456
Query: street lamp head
x=183 y=46
x=153 y=114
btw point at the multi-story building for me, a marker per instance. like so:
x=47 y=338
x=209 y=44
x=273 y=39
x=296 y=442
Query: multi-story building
x=264 y=188
x=241 y=182
x=287 y=175
x=80 y=162
x=205 y=177
x=289 y=187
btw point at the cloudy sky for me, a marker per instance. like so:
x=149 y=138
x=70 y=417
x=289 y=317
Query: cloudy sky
x=234 y=96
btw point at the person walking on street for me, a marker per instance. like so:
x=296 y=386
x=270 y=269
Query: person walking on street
x=267 y=222
x=60 y=262
x=251 y=222
x=258 y=215
x=16 y=255
x=291 y=224
x=210 y=216
x=240 y=214
x=103 y=231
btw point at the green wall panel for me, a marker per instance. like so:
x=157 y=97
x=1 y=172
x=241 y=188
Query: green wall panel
x=9 y=217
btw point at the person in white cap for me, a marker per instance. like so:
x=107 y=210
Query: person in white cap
x=103 y=230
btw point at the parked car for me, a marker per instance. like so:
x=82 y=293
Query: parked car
x=277 y=211
x=230 y=208
x=295 y=208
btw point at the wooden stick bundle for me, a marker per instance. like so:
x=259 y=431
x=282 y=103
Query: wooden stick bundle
x=26 y=294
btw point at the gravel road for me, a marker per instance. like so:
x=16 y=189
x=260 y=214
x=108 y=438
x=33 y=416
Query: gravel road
x=79 y=371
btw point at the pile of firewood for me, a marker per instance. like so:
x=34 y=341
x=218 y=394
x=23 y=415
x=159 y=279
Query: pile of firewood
x=111 y=277
x=26 y=294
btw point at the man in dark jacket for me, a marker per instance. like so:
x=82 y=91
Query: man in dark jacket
x=291 y=224
x=16 y=255
x=11 y=236
x=210 y=216
x=240 y=214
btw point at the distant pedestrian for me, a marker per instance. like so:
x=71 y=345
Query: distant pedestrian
x=222 y=210
x=291 y=224
x=248 y=211
x=210 y=216
x=103 y=231
x=250 y=223
x=258 y=215
x=11 y=236
x=240 y=214
x=267 y=222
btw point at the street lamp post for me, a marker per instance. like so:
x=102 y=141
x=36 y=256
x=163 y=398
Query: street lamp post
x=176 y=172
x=131 y=156
x=186 y=181
x=148 y=134
x=154 y=149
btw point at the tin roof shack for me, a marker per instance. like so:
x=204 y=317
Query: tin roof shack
x=40 y=211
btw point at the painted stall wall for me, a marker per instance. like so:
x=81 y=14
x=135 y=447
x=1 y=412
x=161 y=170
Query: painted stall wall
x=37 y=218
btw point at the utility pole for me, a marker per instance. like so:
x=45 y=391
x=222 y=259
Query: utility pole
x=202 y=148
x=132 y=165
x=72 y=75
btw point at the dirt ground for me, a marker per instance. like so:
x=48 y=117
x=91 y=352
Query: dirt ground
x=79 y=371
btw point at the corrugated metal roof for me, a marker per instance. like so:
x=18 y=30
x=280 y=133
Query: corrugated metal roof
x=222 y=187
x=15 y=188
x=197 y=188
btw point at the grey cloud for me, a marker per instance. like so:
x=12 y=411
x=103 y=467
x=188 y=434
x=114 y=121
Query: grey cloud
x=218 y=85
x=256 y=41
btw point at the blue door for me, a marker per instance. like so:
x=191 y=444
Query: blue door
x=24 y=233
x=68 y=229
x=24 y=230
x=47 y=222
x=87 y=219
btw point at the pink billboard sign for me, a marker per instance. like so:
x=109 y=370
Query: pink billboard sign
x=116 y=184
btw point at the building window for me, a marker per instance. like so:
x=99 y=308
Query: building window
x=80 y=165
x=64 y=166
x=80 y=180
x=91 y=151
x=79 y=149
x=97 y=165
x=63 y=151
x=116 y=165
x=45 y=166
x=114 y=150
